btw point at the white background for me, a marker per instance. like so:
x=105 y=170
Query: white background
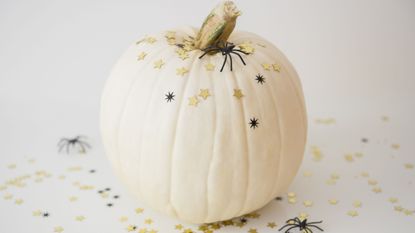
x=356 y=60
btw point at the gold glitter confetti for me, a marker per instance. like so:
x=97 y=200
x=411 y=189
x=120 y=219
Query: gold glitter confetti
x=139 y=210
x=377 y=190
x=8 y=196
x=58 y=229
x=395 y=146
x=141 y=56
x=372 y=182
x=204 y=93
x=170 y=34
x=18 y=201
x=252 y=230
x=276 y=67
x=334 y=176
x=37 y=213
x=291 y=194
x=307 y=203
x=148 y=221
x=193 y=101
x=80 y=218
x=142 y=230
x=393 y=200
x=11 y=166
x=73 y=198
x=158 y=64
x=178 y=227
x=210 y=67
x=398 y=208
x=266 y=66
x=183 y=56
x=358 y=155
x=150 y=40
x=292 y=200
x=302 y=216
x=407 y=212
x=131 y=228
x=271 y=225
x=333 y=201
x=352 y=213
x=86 y=187
x=152 y=231
x=349 y=157
x=316 y=153
x=357 y=204
x=409 y=165
x=181 y=71
x=123 y=219
x=187 y=230
x=238 y=93
x=364 y=174
x=247 y=47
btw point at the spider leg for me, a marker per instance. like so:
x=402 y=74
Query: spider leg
x=82 y=147
x=315 y=227
x=288 y=230
x=308 y=230
x=61 y=147
x=224 y=62
x=287 y=225
x=208 y=51
x=240 y=57
x=63 y=140
x=314 y=222
x=230 y=58
x=85 y=144
x=67 y=148
x=238 y=50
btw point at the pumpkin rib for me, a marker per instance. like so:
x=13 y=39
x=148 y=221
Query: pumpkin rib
x=122 y=111
x=175 y=134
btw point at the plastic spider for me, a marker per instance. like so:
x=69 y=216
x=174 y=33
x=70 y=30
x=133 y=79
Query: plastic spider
x=303 y=225
x=73 y=142
x=226 y=49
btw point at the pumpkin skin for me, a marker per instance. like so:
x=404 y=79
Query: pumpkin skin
x=205 y=162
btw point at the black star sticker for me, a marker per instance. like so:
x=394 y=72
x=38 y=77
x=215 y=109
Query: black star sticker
x=169 y=96
x=116 y=197
x=260 y=79
x=253 y=122
x=109 y=204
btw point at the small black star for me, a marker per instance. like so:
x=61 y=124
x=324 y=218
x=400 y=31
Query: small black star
x=100 y=191
x=92 y=171
x=116 y=196
x=253 y=122
x=109 y=204
x=260 y=79
x=46 y=214
x=365 y=140
x=244 y=220
x=169 y=96
x=107 y=189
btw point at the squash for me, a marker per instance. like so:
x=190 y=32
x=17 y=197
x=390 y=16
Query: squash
x=196 y=136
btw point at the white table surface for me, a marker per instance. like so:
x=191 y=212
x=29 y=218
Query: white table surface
x=356 y=60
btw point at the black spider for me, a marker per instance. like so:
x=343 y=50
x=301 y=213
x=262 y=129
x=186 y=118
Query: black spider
x=253 y=122
x=68 y=142
x=226 y=49
x=260 y=79
x=302 y=225
x=169 y=96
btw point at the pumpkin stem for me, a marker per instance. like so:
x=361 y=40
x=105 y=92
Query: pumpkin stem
x=218 y=25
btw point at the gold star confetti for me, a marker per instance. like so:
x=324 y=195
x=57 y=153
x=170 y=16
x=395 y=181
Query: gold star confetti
x=334 y=176
x=18 y=201
x=395 y=146
x=276 y=67
x=291 y=194
x=357 y=204
x=152 y=231
x=123 y=219
x=170 y=34
x=398 y=208
x=58 y=229
x=409 y=166
x=247 y=47
x=407 y=212
x=187 y=230
x=8 y=196
x=150 y=40
x=210 y=67
x=253 y=215
x=352 y=213
x=204 y=93
x=148 y=221
x=131 y=228
x=158 y=64
x=266 y=66
x=80 y=218
x=141 y=56
x=330 y=182
x=292 y=200
x=73 y=198
x=143 y=230
x=307 y=203
x=364 y=174
x=181 y=71
x=139 y=210
x=372 y=182
x=393 y=200
x=183 y=56
x=333 y=201
x=252 y=230
x=316 y=153
x=193 y=101
x=37 y=213
x=385 y=118
x=358 y=155
x=178 y=227
x=303 y=216
x=377 y=190
x=3 y=187
x=271 y=225
x=238 y=93
x=349 y=157
x=61 y=177
x=11 y=166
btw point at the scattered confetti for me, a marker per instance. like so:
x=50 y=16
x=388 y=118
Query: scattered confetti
x=238 y=93
x=352 y=213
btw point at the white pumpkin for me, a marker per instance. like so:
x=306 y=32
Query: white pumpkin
x=200 y=144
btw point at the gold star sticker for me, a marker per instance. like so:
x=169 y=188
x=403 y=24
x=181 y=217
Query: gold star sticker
x=143 y=230
x=18 y=201
x=246 y=47
x=357 y=204
x=266 y=66
x=181 y=71
x=271 y=225
x=152 y=231
x=204 y=93
x=307 y=203
x=123 y=219
x=210 y=67
x=393 y=200
x=170 y=34
x=139 y=210
x=8 y=196
x=303 y=216
x=252 y=230
x=398 y=208
x=409 y=165
x=37 y=213
x=58 y=229
x=276 y=67
x=131 y=228
x=178 y=227
x=188 y=231
x=158 y=64
x=238 y=93
x=151 y=40
x=193 y=101
x=80 y=218
x=407 y=212
x=73 y=198
x=377 y=190
x=352 y=213
x=292 y=200
x=333 y=201
x=372 y=182
x=141 y=56
x=148 y=221
x=183 y=55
